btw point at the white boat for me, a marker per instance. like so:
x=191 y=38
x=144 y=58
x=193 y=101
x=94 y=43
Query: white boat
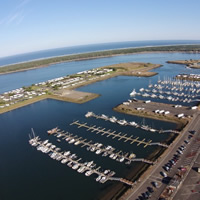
x=77 y=143
x=89 y=114
x=133 y=123
x=70 y=164
x=112 y=155
x=99 y=145
x=141 y=89
x=64 y=161
x=72 y=141
x=132 y=155
x=98 y=151
x=88 y=173
x=106 y=171
x=133 y=93
x=67 y=139
x=90 y=163
x=98 y=178
x=122 y=122
x=67 y=153
x=104 y=117
x=103 y=179
x=121 y=159
x=113 y=119
x=75 y=166
x=81 y=169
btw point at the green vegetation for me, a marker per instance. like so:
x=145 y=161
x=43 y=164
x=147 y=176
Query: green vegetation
x=92 y=55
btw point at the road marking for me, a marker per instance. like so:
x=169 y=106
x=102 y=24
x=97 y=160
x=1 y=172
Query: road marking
x=190 y=193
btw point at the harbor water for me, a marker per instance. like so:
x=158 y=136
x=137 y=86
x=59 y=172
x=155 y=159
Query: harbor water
x=28 y=174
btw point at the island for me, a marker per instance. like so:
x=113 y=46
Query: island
x=63 y=88
x=93 y=55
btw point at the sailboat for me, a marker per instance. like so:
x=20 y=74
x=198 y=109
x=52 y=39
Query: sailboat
x=133 y=93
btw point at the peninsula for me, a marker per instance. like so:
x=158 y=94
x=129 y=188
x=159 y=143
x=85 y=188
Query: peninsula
x=189 y=63
x=93 y=55
x=63 y=88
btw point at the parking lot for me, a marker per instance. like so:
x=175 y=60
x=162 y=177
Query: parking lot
x=179 y=156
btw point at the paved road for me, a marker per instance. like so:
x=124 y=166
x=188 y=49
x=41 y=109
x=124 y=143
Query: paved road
x=156 y=169
x=190 y=189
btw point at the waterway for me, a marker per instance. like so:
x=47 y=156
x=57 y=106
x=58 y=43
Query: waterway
x=28 y=174
x=88 y=48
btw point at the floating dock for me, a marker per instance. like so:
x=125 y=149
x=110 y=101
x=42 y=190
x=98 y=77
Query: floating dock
x=118 y=136
x=126 y=123
x=101 y=149
x=72 y=161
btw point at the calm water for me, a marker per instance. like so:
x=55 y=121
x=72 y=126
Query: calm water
x=89 y=48
x=28 y=174
x=19 y=79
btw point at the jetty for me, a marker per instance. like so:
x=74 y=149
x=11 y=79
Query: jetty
x=113 y=134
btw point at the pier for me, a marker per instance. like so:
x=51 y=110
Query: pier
x=74 y=162
x=126 y=123
x=114 y=135
x=100 y=149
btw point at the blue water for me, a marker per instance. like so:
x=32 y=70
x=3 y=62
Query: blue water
x=28 y=174
x=89 y=48
x=26 y=78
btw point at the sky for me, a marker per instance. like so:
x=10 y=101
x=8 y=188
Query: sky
x=32 y=25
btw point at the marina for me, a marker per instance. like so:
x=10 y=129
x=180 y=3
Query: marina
x=72 y=161
x=99 y=148
x=174 y=90
x=43 y=177
x=118 y=136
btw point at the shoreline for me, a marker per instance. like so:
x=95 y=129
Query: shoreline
x=123 y=109
x=125 y=69
x=99 y=54
x=46 y=97
x=119 y=190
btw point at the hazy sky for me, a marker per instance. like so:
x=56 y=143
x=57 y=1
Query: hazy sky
x=30 y=25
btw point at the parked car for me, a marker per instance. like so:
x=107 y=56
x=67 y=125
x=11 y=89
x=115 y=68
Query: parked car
x=150 y=189
x=155 y=184
x=163 y=174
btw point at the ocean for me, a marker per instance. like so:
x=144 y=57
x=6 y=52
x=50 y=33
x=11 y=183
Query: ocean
x=89 y=48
